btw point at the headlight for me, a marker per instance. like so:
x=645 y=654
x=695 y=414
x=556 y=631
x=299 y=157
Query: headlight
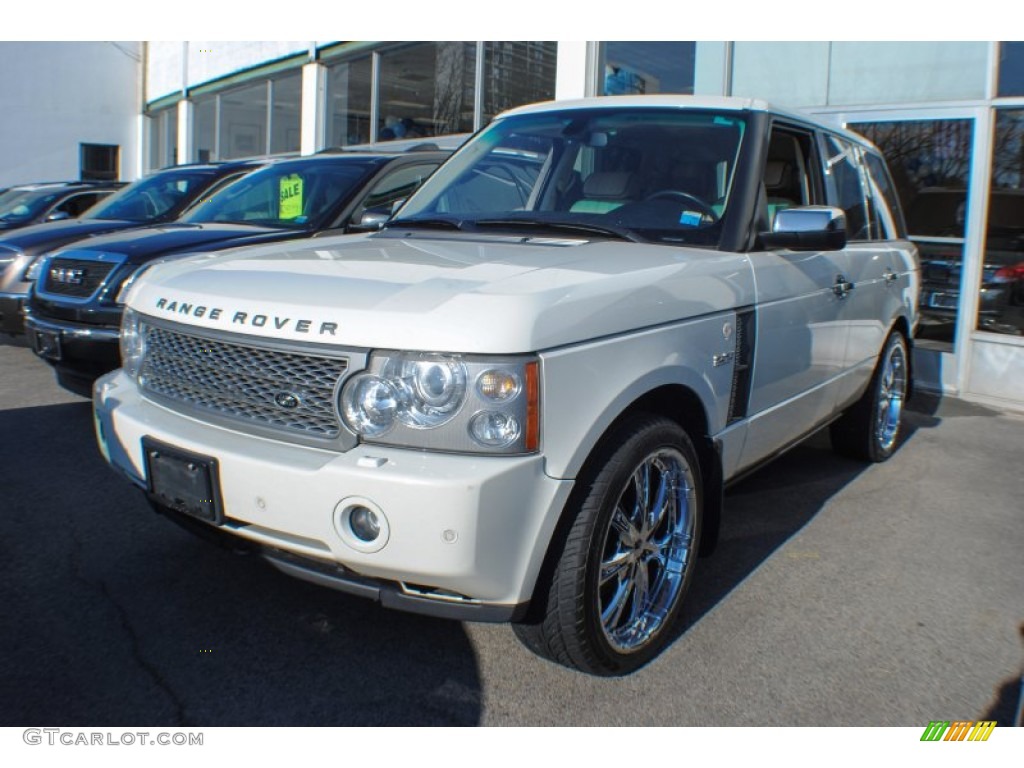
x=431 y=389
x=463 y=403
x=133 y=343
x=122 y=293
x=7 y=256
x=34 y=269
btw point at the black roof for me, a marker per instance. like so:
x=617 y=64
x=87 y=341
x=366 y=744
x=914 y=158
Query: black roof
x=82 y=184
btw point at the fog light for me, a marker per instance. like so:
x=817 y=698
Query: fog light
x=364 y=524
x=361 y=524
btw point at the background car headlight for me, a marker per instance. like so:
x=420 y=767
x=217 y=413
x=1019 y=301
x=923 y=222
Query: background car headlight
x=7 y=257
x=122 y=292
x=444 y=402
x=133 y=343
x=34 y=269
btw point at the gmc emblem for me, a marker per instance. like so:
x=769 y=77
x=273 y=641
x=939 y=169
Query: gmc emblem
x=67 y=275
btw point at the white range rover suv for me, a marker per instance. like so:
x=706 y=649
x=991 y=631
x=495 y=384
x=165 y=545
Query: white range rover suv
x=521 y=399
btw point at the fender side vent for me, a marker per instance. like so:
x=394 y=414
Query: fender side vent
x=746 y=334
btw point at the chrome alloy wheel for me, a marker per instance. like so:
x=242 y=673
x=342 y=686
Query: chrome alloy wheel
x=892 y=391
x=648 y=546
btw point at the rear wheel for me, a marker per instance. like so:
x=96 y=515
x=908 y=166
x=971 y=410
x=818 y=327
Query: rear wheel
x=618 y=585
x=871 y=429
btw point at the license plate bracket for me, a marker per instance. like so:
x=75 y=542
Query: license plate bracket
x=943 y=301
x=183 y=481
x=46 y=344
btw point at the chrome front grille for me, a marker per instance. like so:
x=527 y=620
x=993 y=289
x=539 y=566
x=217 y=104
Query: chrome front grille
x=266 y=388
x=75 y=278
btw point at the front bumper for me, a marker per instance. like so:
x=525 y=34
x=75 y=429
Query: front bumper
x=466 y=534
x=12 y=319
x=86 y=351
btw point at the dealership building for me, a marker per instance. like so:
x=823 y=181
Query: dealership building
x=948 y=115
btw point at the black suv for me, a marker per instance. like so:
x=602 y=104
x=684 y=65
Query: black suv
x=159 y=197
x=25 y=204
x=73 y=313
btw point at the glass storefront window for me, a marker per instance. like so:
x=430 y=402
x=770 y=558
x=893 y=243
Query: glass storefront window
x=163 y=138
x=1011 y=69
x=930 y=165
x=204 y=129
x=426 y=89
x=647 y=67
x=348 y=102
x=243 y=121
x=286 y=114
x=517 y=73
x=1001 y=301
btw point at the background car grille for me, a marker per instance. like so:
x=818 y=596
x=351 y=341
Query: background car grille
x=250 y=383
x=93 y=274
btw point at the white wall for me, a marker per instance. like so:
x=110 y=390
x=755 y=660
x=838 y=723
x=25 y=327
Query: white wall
x=55 y=95
x=791 y=74
x=208 y=60
x=817 y=74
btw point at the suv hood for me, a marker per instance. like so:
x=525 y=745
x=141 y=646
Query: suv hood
x=38 y=238
x=141 y=245
x=445 y=293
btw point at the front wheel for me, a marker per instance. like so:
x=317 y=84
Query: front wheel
x=871 y=429
x=626 y=563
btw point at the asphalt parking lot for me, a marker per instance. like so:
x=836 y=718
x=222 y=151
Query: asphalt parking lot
x=840 y=595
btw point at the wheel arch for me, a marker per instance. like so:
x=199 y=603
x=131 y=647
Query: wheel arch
x=682 y=405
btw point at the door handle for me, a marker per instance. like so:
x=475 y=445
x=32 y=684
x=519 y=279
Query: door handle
x=890 y=276
x=842 y=286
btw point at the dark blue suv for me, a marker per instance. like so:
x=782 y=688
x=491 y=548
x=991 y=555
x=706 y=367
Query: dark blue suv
x=159 y=197
x=74 y=311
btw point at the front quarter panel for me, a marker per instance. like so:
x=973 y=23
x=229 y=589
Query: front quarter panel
x=587 y=387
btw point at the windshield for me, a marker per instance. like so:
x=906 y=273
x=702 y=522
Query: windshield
x=653 y=174
x=25 y=204
x=152 y=197
x=291 y=194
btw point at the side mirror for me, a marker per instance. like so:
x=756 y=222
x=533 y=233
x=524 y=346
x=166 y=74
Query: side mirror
x=807 y=228
x=58 y=216
x=371 y=220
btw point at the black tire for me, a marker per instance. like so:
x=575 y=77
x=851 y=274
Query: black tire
x=633 y=549
x=871 y=429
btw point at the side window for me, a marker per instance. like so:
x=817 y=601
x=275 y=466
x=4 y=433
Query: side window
x=789 y=176
x=76 y=205
x=396 y=185
x=886 y=217
x=845 y=187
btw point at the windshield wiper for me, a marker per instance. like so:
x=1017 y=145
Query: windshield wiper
x=620 y=233
x=425 y=223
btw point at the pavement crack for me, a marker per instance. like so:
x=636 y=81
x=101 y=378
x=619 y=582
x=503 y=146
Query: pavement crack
x=99 y=585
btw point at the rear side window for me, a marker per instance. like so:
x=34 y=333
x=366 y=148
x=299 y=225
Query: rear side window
x=886 y=216
x=76 y=205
